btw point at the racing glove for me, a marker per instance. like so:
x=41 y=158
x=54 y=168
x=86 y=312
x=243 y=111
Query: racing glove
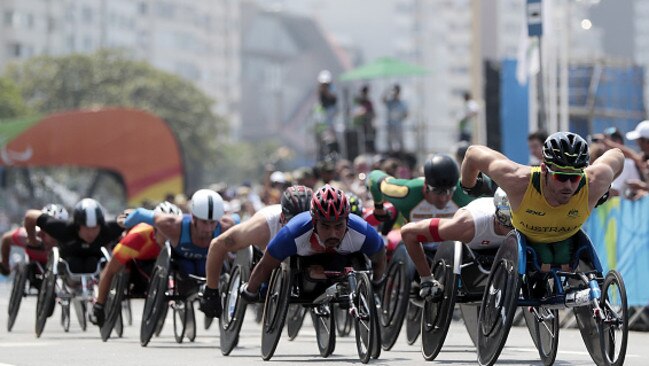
x=210 y=303
x=483 y=187
x=430 y=289
x=247 y=295
x=97 y=314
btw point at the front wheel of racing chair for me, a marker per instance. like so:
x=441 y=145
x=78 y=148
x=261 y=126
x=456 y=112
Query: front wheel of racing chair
x=365 y=318
x=324 y=323
x=65 y=315
x=275 y=309
x=499 y=302
x=613 y=324
x=155 y=305
x=114 y=303
x=234 y=308
x=394 y=304
x=294 y=320
x=437 y=315
x=17 y=293
x=343 y=321
x=47 y=294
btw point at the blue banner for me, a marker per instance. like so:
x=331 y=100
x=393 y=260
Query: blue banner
x=620 y=233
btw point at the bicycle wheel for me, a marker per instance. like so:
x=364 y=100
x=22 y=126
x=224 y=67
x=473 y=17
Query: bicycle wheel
x=543 y=324
x=17 y=293
x=436 y=316
x=413 y=322
x=46 y=301
x=394 y=303
x=190 y=326
x=127 y=311
x=614 y=328
x=498 y=302
x=161 y=321
x=113 y=307
x=364 y=317
x=275 y=309
x=234 y=310
x=155 y=305
x=324 y=324
x=65 y=316
x=82 y=313
x=180 y=319
x=119 y=326
x=343 y=321
x=294 y=320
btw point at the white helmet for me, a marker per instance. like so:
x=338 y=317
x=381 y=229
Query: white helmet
x=324 y=77
x=503 y=211
x=56 y=211
x=207 y=205
x=167 y=207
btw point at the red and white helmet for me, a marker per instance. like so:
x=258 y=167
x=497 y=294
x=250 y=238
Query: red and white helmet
x=329 y=204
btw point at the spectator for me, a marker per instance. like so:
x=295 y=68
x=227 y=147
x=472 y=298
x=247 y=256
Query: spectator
x=535 y=142
x=325 y=113
x=363 y=117
x=397 y=112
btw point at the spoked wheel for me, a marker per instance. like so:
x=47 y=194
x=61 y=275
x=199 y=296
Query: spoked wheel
x=294 y=320
x=82 y=313
x=275 y=309
x=413 y=322
x=614 y=327
x=364 y=318
x=17 y=293
x=543 y=324
x=343 y=321
x=324 y=323
x=394 y=303
x=179 y=308
x=65 y=315
x=498 y=302
x=154 y=305
x=113 y=308
x=234 y=310
x=46 y=301
x=436 y=315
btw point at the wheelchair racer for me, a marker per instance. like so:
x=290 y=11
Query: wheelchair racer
x=257 y=231
x=142 y=242
x=18 y=238
x=327 y=228
x=483 y=223
x=551 y=202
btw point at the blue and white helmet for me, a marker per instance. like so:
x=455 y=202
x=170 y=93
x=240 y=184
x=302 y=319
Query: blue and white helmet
x=88 y=212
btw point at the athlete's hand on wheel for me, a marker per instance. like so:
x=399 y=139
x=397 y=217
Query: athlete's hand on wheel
x=210 y=303
x=247 y=295
x=430 y=289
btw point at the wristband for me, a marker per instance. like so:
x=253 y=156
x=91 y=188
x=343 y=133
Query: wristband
x=138 y=216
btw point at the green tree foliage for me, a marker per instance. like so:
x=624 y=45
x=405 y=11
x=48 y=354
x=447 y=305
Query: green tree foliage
x=11 y=101
x=112 y=79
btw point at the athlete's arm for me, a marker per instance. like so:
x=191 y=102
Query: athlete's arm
x=29 y=223
x=169 y=225
x=602 y=173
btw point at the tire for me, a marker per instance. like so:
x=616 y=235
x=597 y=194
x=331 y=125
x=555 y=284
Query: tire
x=179 y=308
x=113 y=308
x=119 y=326
x=614 y=329
x=325 y=328
x=46 y=301
x=234 y=310
x=275 y=309
x=190 y=326
x=436 y=316
x=499 y=302
x=65 y=316
x=155 y=305
x=365 y=318
x=127 y=311
x=543 y=325
x=343 y=321
x=207 y=322
x=294 y=320
x=82 y=314
x=394 y=303
x=161 y=321
x=413 y=322
x=17 y=293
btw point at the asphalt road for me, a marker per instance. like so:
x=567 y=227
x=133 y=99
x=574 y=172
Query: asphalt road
x=55 y=347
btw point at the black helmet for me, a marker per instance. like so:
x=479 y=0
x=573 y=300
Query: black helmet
x=295 y=200
x=88 y=212
x=566 y=150
x=355 y=204
x=441 y=171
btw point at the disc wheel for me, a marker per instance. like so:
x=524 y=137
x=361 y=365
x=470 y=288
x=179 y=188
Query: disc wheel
x=364 y=318
x=413 y=322
x=394 y=303
x=17 y=293
x=437 y=315
x=113 y=308
x=275 y=309
x=46 y=301
x=155 y=305
x=294 y=320
x=498 y=302
x=614 y=328
x=234 y=310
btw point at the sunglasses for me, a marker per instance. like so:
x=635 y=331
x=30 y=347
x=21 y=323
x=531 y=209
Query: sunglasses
x=565 y=176
x=441 y=191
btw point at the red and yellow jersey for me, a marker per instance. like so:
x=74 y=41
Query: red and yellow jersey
x=139 y=243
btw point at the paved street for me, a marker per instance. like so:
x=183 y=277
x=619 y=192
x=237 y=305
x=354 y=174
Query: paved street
x=55 y=347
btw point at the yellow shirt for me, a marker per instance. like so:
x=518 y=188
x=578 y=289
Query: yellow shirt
x=542 y=223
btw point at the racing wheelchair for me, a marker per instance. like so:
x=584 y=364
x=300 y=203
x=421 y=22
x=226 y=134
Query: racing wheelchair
x=68 y=288
x=24 y=271
x=349 y=288
x=170 y=288
x=598 y=301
